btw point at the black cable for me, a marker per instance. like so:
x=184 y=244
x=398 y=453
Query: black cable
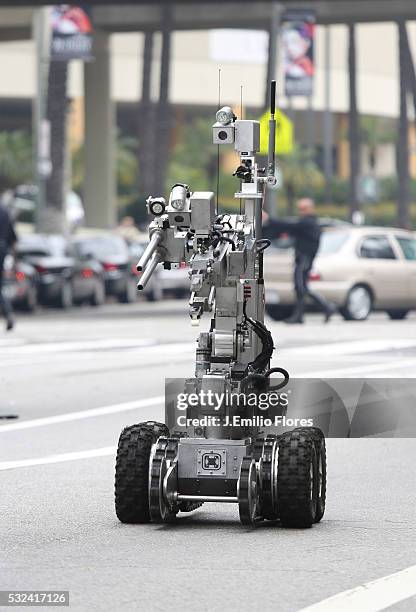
x=225 y=239
x=283 y=383
x=262 y=360
x=263 y=244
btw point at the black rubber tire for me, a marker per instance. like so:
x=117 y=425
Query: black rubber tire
x=130 y=294
x=98 y=297
x=321 y=460
x=132 y=474
x=30 y=303
x=66 y=297
x=346 y=311
x=279 y=312
x=397 y=315
x=132 y=471
x=296 y=487
x=157 y=429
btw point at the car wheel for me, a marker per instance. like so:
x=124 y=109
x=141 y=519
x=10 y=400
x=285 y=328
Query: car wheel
x=278 y=312
x=98 y=297
x=30 y=303
x=129 y=295
x=358 y=304
x=397 y=315
x=66 y=299
x=154 y=294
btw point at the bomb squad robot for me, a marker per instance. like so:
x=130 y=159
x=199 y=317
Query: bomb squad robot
x=217 y=451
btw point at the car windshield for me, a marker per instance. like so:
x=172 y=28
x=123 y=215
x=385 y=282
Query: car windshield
x=40 y=246
x=102 y=247
x=331 y=242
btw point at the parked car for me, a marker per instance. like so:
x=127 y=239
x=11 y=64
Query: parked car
x=21 y=203
x=64 y=276
x=359 y=269
x=20 y=284
x=176 y=281
x=162 y=282
x=113 y=254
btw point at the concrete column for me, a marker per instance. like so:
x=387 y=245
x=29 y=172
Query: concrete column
x=328 y=132
x=404 y=195
x=354 y=130
x=100 y=171
x=164 y=110
x=147 y=124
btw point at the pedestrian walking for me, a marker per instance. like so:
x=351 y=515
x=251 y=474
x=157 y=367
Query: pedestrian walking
x=306 y=233
x=8 y=241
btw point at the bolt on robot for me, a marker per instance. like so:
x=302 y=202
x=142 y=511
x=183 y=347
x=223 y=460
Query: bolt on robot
x=218 y=451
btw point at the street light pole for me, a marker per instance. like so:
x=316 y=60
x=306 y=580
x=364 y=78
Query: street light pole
x=41 y=128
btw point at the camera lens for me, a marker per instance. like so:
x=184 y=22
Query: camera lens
x=222 y=135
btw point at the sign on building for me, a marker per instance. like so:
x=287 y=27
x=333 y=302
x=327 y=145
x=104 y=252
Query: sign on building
x=71 y=33
x=298 y=38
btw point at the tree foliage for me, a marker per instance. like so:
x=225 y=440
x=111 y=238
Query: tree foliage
x=16 y=164
x=301 y=175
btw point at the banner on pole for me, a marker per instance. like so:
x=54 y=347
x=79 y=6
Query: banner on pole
x=71 y=33
x=298 y=38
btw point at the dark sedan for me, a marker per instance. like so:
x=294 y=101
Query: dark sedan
x=64 y=277
x=113 y=254
x=20 y=284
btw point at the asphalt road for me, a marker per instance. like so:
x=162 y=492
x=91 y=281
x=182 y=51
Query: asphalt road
x=58 y=529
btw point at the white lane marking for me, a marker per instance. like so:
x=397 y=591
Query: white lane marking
x=361 y=370
x=354 y=347
x=146 y=351
x=84 y=414
x=85 y=345
x=11 y=342
x=371 y=596
x=21 y=347
x=75 y=456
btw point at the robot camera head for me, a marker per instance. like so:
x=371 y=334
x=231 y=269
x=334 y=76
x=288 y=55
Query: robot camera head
x=223 y=129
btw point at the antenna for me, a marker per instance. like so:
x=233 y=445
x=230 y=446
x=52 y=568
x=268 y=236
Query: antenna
x=272 y=131
x=241 y=102
x=218 y=147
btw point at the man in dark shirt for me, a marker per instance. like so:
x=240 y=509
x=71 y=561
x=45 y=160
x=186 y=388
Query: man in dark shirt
x=307 y=233
x=8 y=240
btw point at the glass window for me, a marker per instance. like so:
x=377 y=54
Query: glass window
x=102 y=246
x=408 y=246
x=376 y=247
x=331 y=242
